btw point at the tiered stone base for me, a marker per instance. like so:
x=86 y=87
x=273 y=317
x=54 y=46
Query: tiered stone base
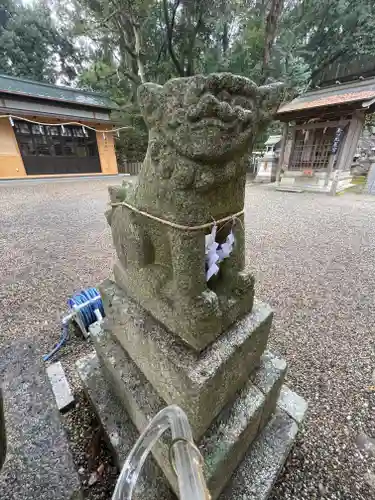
x=229 y=392
x=200 y=383
x=254 y=477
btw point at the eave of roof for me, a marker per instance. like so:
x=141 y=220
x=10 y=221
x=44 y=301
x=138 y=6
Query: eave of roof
x=39 y=90
x=15 y=113
x=360 y=93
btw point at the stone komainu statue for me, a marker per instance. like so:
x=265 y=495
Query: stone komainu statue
x=201 y=131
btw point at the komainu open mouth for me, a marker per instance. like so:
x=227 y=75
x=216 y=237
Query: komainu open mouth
x=214 y=123
x=220 y=113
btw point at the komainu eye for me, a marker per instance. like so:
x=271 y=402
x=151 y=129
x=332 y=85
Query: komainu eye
x=240 y=100
x=224 y=96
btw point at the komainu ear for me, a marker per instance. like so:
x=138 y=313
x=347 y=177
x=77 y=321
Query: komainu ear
x=270 y=97
x=150 y=102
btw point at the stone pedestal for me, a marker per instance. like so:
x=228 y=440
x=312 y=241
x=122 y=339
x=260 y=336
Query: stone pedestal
x=267 y=169
x=200 y=383
x=244 y=448
x=316 y=182
x=268 y=164
x=230 y=392
x=172 y=334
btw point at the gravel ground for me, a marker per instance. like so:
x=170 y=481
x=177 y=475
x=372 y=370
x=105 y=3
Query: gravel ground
x=54 y=241
x=314 y=258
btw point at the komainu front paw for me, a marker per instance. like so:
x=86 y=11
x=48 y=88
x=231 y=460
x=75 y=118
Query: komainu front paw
x=207 y=304
x=242 y=282
x=117 y=194
x=108 y=215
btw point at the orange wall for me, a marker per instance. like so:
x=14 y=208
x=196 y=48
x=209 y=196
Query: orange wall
x=11 y=164
x=106 y=147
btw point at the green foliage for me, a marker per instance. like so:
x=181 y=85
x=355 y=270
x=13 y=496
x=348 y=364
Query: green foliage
x=132 y=143
x=181 y=37
x=114 y=45
x=246 y=53
x=30 y=44
x=325 y=32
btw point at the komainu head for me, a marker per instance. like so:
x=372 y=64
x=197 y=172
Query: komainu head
x=207 y=118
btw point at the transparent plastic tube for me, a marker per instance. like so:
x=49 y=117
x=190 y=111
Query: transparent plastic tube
x=185 y=456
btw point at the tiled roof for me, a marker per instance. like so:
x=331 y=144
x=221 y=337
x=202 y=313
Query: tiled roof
x=273 y=139
x=330 y=96
x=30 y=88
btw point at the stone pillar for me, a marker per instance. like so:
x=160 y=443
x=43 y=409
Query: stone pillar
x=172 y=337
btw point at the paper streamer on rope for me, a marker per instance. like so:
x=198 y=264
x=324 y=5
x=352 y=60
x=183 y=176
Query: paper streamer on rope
x=216 y=252
x=211 y=254
x=226 y=248
x=42 y=124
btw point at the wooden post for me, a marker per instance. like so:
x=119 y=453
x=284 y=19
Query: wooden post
x=348 y=148
x=282 y=151
x=331 y=161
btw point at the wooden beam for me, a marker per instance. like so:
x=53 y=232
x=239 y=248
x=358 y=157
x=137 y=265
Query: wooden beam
x=348 y=148
x=336 y=123
x=327 y=112
x=293 y=142
x=282 y=151
x=331 y=162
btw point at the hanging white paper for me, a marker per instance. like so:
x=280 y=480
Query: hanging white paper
x=216 y=253
x=226 y=248
x=211 y=254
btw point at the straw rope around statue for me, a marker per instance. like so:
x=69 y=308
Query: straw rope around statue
x=215 y=252
x=182 y=227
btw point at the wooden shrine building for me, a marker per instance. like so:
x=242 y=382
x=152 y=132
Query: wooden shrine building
x=35 y=139
x=324 y=126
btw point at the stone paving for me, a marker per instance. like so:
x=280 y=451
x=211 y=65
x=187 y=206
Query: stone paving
x=314 y=259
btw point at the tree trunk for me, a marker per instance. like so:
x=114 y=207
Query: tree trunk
x=137 y=48
x=169 y=24
x=272 y=22
x=225 y=39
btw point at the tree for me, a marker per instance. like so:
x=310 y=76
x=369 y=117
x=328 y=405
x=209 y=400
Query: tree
x=139 y=41
x=294 y=41
x=187 y=24
x=31 y=45
x=272 y=22
x=329 y=31
x=120 y=30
